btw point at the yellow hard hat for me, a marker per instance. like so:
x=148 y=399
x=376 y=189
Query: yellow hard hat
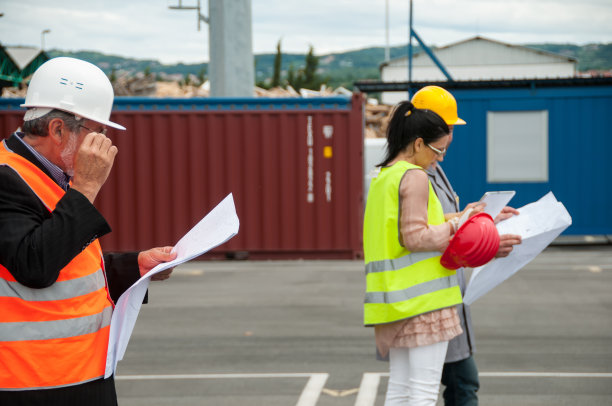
x=440 y=101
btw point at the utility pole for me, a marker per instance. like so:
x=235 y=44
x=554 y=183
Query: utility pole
x=410 y=51
x=200 y=16
x=42 y=38
x=230 y=68
x=387 y=53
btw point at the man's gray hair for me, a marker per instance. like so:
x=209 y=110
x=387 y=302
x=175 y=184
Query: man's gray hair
x=40 y=126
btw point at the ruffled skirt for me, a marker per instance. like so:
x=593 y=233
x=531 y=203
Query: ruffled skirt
x=424 y=329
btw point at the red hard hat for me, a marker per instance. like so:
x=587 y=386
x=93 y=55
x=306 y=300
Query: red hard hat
x=474 y=244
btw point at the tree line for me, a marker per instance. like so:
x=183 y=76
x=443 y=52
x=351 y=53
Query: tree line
x=305 y=77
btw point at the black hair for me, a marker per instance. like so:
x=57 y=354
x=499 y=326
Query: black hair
x=40 y=126
x=407 y=124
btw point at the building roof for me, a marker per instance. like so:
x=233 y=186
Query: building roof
x=374 y=86
x=506 y=53
x=22 y=56
x=18 y=63
x=505 y=44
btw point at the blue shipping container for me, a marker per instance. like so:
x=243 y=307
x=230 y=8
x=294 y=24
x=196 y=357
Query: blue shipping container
x=579 y=143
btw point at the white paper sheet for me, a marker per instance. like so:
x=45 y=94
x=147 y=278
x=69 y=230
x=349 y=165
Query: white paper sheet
x=538 y=224
x=214 y=229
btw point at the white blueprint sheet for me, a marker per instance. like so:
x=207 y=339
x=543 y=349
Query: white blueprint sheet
x=217 y=227
x=538 y=224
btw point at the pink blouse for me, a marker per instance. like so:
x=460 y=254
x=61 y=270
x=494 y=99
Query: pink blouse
x=417 y=235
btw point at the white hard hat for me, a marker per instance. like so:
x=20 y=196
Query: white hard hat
x=71 y=85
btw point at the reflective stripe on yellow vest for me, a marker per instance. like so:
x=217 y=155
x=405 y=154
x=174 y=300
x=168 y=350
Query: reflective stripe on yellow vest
x=401 y=284
x=56 y=336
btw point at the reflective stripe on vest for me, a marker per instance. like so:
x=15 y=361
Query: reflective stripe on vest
x=401 y=284
x=399 y=263
x=56 y=336
x=47 y=330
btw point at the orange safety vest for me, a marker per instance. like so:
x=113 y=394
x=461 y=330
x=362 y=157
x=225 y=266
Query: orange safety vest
x=56 y=336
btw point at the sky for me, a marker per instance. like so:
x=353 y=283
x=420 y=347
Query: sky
x=148 y=29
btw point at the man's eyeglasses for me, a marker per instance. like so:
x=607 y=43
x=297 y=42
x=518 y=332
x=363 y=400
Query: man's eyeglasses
x=103 y=131
x=436 y=150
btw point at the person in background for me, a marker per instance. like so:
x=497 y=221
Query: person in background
x=410 y=297
x=460 y=374
x=57 y=289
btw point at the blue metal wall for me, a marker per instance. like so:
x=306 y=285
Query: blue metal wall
x=580 y=167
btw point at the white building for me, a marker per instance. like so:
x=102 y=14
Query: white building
x=477 y=58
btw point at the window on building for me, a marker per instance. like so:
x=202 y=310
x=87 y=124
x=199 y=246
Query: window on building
x=517 y=146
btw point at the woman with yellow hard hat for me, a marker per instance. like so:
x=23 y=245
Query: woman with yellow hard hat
x=410 y=297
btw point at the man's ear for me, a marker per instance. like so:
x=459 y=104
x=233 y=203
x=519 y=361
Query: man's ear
x=56 y=129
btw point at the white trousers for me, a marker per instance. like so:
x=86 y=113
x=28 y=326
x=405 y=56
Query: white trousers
x=414 y=375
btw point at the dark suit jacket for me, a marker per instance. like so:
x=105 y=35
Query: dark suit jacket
x=36 y=244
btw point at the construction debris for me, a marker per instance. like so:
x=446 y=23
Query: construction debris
x=276 y=92
x=14 y=92
x=139 y=85
x=174 y=89
x=376 y=119
x=376 y=115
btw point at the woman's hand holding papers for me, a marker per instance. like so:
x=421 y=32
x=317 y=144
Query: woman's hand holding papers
x=507 y=241
x=506 y=244
x=506 y=213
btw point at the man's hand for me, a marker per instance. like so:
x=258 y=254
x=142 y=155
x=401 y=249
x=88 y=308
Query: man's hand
x=149 y=259
x=506 y=244
x=506 y=213
x=92 y=164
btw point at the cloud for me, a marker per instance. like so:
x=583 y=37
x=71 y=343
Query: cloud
x=147 y=29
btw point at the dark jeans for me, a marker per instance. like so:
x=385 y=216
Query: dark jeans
x=461 y=381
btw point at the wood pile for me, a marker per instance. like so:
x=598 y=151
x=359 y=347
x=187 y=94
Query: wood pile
x=376 y=119
x=174 y=89
x=289 y=91
x=14 y=92
x=276 y=92
x=140 y=85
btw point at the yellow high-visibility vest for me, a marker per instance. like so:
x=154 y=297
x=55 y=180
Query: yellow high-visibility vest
x=401 y=284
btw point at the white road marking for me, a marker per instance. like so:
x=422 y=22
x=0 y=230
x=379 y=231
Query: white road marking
x=368 y=389
x=545 y=374
x=312 y=390
x=212 y=376
x=309 y=397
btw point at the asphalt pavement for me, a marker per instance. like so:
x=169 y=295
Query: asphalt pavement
x=273 y=333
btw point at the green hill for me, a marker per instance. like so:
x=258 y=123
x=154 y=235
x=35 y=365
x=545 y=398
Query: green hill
x=341 y=69
x=591 y=56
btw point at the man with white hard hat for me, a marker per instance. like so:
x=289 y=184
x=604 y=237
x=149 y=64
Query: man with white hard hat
x=57 y=288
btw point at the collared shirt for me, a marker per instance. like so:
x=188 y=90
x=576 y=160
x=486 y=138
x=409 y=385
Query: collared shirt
x=58 y=175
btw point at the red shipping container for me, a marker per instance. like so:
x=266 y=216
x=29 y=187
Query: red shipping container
x=294 y=166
